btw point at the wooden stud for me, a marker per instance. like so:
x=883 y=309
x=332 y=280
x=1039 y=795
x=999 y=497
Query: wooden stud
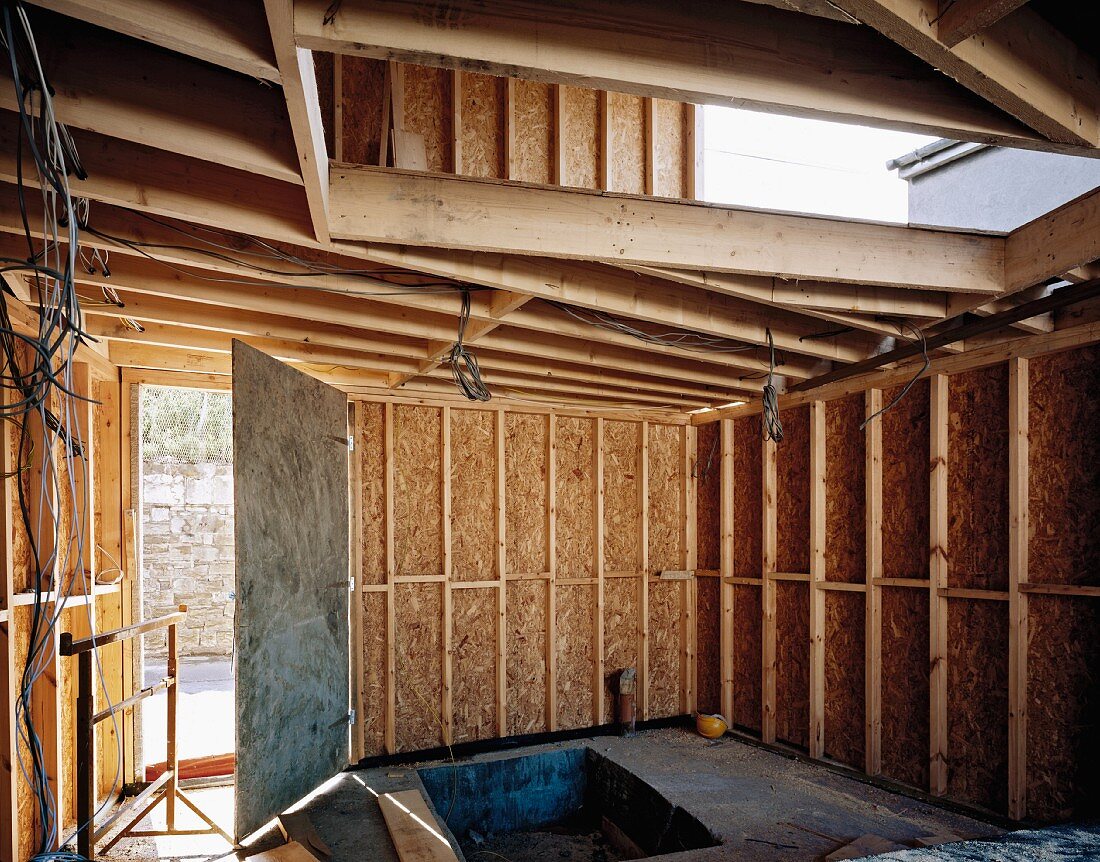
x=509 y=128
x=9 y=771
x=598 y=567
x=650 y=107
x=817 y=576
x=338 y=107
x=358 y=730
x=768 y=594
x=1018 y=526
x=643 y=558
x=558 y=171
x=552 y=568
x=448 y=598
x=693 y=152
x=456 y=121
x=387 y=115
x=726 y=633
x=873 y=610
x=606 y=153
x=937 y=578
x=391 y=573
x=688 y=588
x=502 y=585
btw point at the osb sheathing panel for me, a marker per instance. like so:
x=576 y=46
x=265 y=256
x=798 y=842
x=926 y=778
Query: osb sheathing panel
x=792 y=499
x=622 y=506
x=417 y=536
x=576 y=654
x=666 y=478
x=533 y=109
x=977 y=702
x=665 y=611
x=526 y=656
x=26 y=815
x=525 y=492
x=905 y=432
x=627 y=143
x=905 y=685
x=668 y=142
x=844 y=677
x=361 y=126
x=1065 y=468
x=372 y=686
x=108 y=616
x=418 y=648
x=474 y=665
x=576 y=492
x=370 y=431
x=746 y=656
x=323 y=71
x=792 y=662
x=1063 y=707
x=66 y=687
x=708 y=520
x=482 y=125
x=473 y=495
x=22 y=559
x=428 y=113
x=977 y=478
x=746 y=498
x=580 y=125
x=621 y=624
x=708 y=610
x=845 y=527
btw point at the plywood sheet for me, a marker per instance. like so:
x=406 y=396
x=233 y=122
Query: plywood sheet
x=792 y=662
x=290 y=482
x=622 y=504
x=621 y=624
x=525 y=468
x=482 y=125
x=580 y=126
x=576 y=654
x=1065 y=468
x=474 y=663
x=1063 y=708
x=792 y=497
x=845 y=522
x=526 y=656
x=977 y=702
x=372 y=686
x=576 y=494
x=418 y=512
x=668 y=144
x=26 y=809
x=534 y=113
x=747 y=646
x=323 y=71
x=665 y=642
x=747 y=505
x=627 y=143
x=22 y=559
x=473 y=495
x=977 y=478
x=905 y=685
x=666 y=482
x=419 y=649
x=708 y=522
x=370 y=438
x=905 y=442
x=844 y=677
x=428 y=113
x=361 y=125
x=708 y=617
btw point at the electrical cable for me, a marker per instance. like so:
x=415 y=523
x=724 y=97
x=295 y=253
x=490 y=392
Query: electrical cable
x=464 y=367
x=919 y=333
x=772 y=426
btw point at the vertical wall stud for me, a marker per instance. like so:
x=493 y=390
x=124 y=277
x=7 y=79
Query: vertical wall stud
x=358 y=730
x=502 y=582
x=650 y=107
x=937 y=580
x=817 y=576
x=552 y=567
x=643 y=557
x=9 y=770
x=605 y=141
x=726 y=570
x=688 y=588
x=448 y=594
x=558 y=169
x=338 y=107
x=693 y=152
x=509 y=129
x=873 y=610
x=456 y=121
x=391 y=573
x=598 y=564
x=767 y=599
x=1018 y=516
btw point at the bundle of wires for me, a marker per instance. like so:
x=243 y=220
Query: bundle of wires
x=773 y=427
x=36 y=379
x=464 y=367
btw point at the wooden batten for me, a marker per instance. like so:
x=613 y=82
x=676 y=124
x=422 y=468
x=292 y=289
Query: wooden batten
x=768 y=594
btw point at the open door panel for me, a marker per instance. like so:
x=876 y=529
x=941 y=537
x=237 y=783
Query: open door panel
x=290 y=471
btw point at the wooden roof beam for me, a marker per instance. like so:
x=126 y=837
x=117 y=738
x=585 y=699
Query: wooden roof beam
x=961 y=19
x=1022 y=64
x=232 y=35
x=709 y=53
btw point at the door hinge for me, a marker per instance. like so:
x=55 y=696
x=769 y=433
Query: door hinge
x=351 y=716
x=351 y=443
x=351 y=584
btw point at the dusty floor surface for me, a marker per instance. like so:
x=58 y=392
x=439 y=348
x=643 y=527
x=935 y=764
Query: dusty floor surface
x=544 y=846
x=765 y=808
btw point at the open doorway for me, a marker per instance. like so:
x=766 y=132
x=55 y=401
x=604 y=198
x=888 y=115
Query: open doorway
x=185 y=476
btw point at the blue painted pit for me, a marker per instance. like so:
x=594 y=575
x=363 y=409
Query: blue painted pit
x=571 y=798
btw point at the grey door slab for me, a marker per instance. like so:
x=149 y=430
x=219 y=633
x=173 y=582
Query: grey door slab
x=290 y=472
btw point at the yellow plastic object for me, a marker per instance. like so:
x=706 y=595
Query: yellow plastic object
x=710 y=726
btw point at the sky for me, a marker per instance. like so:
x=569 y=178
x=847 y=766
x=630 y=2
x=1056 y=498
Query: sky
x=812 y=166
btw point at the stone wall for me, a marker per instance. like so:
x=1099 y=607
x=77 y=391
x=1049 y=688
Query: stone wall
x=187 y=554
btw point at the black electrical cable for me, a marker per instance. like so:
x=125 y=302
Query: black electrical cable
x=464 y=367
x=919 y=333
x=772 y=426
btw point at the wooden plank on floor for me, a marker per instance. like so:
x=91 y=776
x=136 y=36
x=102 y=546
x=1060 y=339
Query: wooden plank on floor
x=413 y=828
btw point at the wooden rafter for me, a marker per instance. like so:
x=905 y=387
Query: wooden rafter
x=961 y=19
